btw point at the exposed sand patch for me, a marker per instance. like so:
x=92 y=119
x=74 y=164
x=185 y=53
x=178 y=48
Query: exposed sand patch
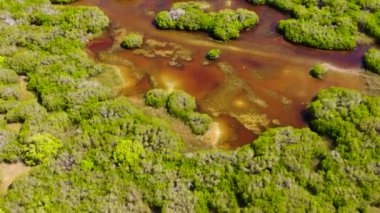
x=9 y=172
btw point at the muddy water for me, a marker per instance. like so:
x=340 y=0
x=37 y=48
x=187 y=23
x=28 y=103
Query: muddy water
x=260 y=81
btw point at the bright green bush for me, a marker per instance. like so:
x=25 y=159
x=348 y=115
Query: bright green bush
x=128 y=153
x=2 y=60
x=213 y=54
x=337 y=36
x=156 y=98
x=180 y=104
x=164 y=21
x=372 y=60
x=318 y=71
x=132 y=41
x=39 y=148
x=229 y=23
x=223 y=25
x=371 y=24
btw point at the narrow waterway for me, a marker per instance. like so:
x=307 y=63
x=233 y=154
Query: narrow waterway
x=260 y=81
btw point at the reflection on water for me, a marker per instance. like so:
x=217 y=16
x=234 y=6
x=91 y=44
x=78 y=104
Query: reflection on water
x=260 y=81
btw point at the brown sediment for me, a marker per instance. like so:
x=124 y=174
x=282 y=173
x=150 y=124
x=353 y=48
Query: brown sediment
x=269 y=83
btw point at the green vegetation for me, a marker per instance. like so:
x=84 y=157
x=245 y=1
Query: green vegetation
x=39 y=148
x=285 y=169
x=199 y=123
x=318 y=71
x=372 y=60
x=213 y=54
x=180 y=105
x=132 y=41
x=2 y=60
x=156 y=98
x=100 y=153
x=371 y=23
x=127 y=153
x=223 y=25
x=327 y=24
x=351 y=119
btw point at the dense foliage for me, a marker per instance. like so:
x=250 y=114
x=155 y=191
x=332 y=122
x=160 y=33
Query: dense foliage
x=98 y=153
x=371 y=23
x=39 y=148
x=156 y=98
x=180 y=105
x=351 y=119
x=372 y=60
x=68 y=104
x=223 y=25
x=327 y=24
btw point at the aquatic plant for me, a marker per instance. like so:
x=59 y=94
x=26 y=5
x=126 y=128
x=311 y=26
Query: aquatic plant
x=318 y=71
x=213 y=54
x=132 y=41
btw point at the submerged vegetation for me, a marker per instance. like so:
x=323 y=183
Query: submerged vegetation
x=92 y=151
x=223 y=25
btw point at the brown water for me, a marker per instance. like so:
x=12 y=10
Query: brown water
x=260 y=81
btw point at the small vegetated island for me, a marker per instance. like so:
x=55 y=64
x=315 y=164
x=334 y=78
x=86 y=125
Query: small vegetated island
x=93 y=151
x=223 y=25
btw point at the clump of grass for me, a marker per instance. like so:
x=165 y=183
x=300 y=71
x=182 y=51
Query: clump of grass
x=213 y=54
x=318 y=71
x=132 y=41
